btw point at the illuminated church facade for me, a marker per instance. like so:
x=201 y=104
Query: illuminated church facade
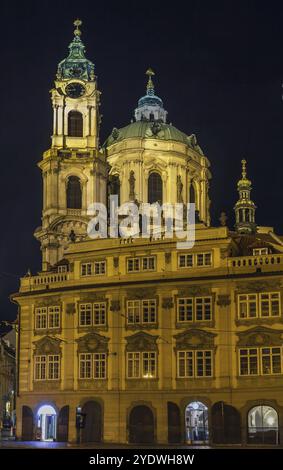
x=134 y=340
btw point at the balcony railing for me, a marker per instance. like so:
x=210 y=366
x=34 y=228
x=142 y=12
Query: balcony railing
x=256 y=261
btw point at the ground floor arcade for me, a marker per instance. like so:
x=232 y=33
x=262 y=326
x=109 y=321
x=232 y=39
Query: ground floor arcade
x=170 y=418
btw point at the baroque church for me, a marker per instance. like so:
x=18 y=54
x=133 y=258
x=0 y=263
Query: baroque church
x=134 y=340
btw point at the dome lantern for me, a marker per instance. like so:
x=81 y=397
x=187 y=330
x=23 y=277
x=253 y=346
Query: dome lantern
x=150 y=107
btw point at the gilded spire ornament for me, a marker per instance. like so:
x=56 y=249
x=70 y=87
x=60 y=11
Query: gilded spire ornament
x=77 y=23
x=150 y=86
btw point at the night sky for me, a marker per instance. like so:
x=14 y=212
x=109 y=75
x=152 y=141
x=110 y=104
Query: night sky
x=219 y=71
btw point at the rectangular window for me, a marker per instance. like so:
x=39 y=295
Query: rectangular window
x=149 y=311
x=86 y=269
x=269 y=304
x=185 y=261
x=271 y=361
x=99 y=267
x=54 y=317
x=133 y=365
x=141 y=365
x=260 y=251
x=194 y=364
x=85 y=366
x=99 y=313
x=203 y=259
x=185 y=310
x=85 y=314
x=41 y=318
x=53 y=367
x=62 y=269
x=144 y=263
x=133 y=265
x=185 y=364
x=194 y=309
x=249 y=361
x=203 y=308
x=195 y=259
x=133 y=311
x=40 y=367
x=203 y=366
x=148 y=263
x=262 y=305
x=99 y=366
x=149 y=365
x=247 y=304
x=141 y=311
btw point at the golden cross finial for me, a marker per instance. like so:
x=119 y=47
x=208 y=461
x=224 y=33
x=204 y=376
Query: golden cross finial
x=77 y=24
x=150 y=74
x=244 y=168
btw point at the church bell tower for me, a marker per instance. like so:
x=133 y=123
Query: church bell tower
x=74 y=170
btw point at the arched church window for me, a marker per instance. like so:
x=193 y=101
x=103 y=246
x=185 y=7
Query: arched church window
x=75 y=124
x=74 y=193
x=154 y=188
x=192 y=194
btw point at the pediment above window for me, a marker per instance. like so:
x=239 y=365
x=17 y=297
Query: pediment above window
x=141 y=342
x=193 y=291
x=92 y=342
x=195 y=339
x=260 y=336
x=148 y=293
x=47 y=345
x=258 y=286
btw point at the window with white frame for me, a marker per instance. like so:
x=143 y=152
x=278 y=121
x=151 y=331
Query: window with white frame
x=86 y=269
x=260 y=361
x=99 y=267
x=92 y=366
x=92 y=314
x=47 y=367
x=142 y=263
x=190 y=309
x=190 y=260
x=54 y=317
x=141 y=311
x=260 y=251
x=96 y=268
x=141 y=365
x=260 y=305
x=47 y=317
x=194 y=363
x=41 y=318
x=62 y=269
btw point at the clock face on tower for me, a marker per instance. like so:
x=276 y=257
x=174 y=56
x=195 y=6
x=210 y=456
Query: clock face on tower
x=75 y=90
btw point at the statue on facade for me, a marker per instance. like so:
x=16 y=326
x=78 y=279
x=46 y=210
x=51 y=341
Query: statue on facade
x=179 y=189
x=132 y=181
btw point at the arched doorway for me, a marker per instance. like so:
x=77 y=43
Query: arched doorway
x=196 y=422
x=263 y=426
x=92 y=431
x=47 y=423
x=174 y=423
x=141 y=425
x=27 y=423
x=226 y=424
x=63 y=424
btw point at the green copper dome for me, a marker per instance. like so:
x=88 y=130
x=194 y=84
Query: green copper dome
x=152 y=130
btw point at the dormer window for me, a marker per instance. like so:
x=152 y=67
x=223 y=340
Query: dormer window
x=260 y=251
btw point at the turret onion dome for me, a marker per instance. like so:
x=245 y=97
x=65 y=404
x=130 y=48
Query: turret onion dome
x=150 y=122
x=76 y=65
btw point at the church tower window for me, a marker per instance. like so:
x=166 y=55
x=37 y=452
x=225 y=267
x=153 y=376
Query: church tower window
x=74 y=193
x=75 y=124
x=155 y=188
